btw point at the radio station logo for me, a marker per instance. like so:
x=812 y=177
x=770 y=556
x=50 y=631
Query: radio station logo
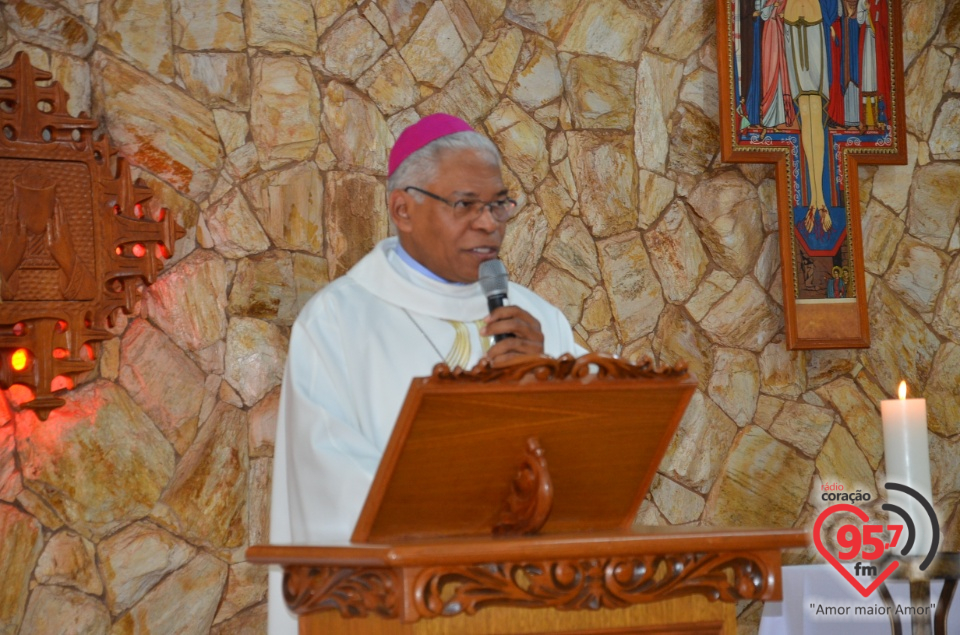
x=865 y=547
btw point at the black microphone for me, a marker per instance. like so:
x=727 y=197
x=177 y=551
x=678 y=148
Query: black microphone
x=493 y=281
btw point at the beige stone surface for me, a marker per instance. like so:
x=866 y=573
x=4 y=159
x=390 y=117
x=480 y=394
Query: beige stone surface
x=554 y=200
x=75 y=458
x=943 y=139
x=310 y=274
x=46 y=24
x=573 y=250
x=727 y=213
x=470 y=95
x=203 y=26
x=284 y=110
x=262 y=420
x=783 y=373
x=434 y=51
x=356 y=218
x=636 y=295
x=902 y=347
x=152 y=368
x=19 y=550
x=54 y=609
x=498 y=53
x=678 y=340
x=735 y=383
x=763 y=484
x=255 y=356
x=522 y=141
x=280 y=25
x=700 y=89
x=289 y=206
x=694 y=141
x=233 y=228
x=349 y=48
x=605 y=173
x=841 y=461
x=676 y=253
x=859 y=414
x=10 y=482
x=206 y=494
x=561 y=289
x=121 y=30
x=656 y=192
x=537 y=79
x=390 y=84
x=920 y=20
x=549 y=19
x=714 y=286
x=216 y=80
x=158 y=127
x=916 y=275
x=187 y=303
x=882 y=230
x=934 y=206
x=923 y=87
x=68 y=560
x=133 y=560
x=262 y=289
x=946 y=321
x=258 y=501
x=523 y=244
x=250 y=622
x=804 y=426
x=746 y=317
x=696 y=453
x=682 y=30
x=610 y=28
x=943 y=392
x=594 y=90
x=676 y=503
x=163 y=609
x=246 y=586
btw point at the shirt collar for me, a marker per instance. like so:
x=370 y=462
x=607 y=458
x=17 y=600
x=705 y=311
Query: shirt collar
x=408 y=260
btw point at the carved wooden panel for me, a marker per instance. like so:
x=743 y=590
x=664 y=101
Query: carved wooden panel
x=565 y=584
x=592 y=583
x=353 y=592
x=75 y=242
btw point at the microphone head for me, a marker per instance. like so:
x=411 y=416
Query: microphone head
x=493 y=278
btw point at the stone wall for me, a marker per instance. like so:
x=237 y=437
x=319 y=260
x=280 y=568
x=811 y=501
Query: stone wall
x=264 y=124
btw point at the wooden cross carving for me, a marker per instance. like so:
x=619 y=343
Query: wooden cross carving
x=816 y=87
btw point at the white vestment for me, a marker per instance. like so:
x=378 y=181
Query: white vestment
x=354 y=350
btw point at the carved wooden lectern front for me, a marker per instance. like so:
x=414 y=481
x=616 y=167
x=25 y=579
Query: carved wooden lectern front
x=505 y=503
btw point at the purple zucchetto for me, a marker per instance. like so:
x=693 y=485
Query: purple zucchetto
x=425 y=131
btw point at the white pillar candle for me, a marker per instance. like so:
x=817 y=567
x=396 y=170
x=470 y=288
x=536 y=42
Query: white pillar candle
x=907 y=456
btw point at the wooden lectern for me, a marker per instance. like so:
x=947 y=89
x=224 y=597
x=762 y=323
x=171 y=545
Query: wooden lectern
x=504 y=503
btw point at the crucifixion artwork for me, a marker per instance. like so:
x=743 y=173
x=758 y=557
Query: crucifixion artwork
x=814 y=86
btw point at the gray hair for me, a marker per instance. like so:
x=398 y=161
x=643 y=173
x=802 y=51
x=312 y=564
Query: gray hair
x=421 y=166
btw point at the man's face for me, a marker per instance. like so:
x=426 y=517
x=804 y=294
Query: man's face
x=430 y=231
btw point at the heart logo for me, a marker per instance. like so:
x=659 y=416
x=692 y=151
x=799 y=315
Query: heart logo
x=862 y=515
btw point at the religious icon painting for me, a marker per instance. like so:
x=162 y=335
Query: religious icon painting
x=814 y=86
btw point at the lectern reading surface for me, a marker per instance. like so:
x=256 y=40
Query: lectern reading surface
x=462 y=437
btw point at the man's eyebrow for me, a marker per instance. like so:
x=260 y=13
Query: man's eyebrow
x=463 y=194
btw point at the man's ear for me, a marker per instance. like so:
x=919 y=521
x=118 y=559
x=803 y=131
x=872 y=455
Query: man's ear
x=399 y=208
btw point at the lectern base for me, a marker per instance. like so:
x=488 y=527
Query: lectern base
x=691 y=615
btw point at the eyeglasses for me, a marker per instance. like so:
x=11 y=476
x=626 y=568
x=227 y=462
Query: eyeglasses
x=502 y=209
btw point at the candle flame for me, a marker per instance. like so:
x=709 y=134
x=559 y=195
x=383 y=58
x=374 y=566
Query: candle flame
x=902 y=391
